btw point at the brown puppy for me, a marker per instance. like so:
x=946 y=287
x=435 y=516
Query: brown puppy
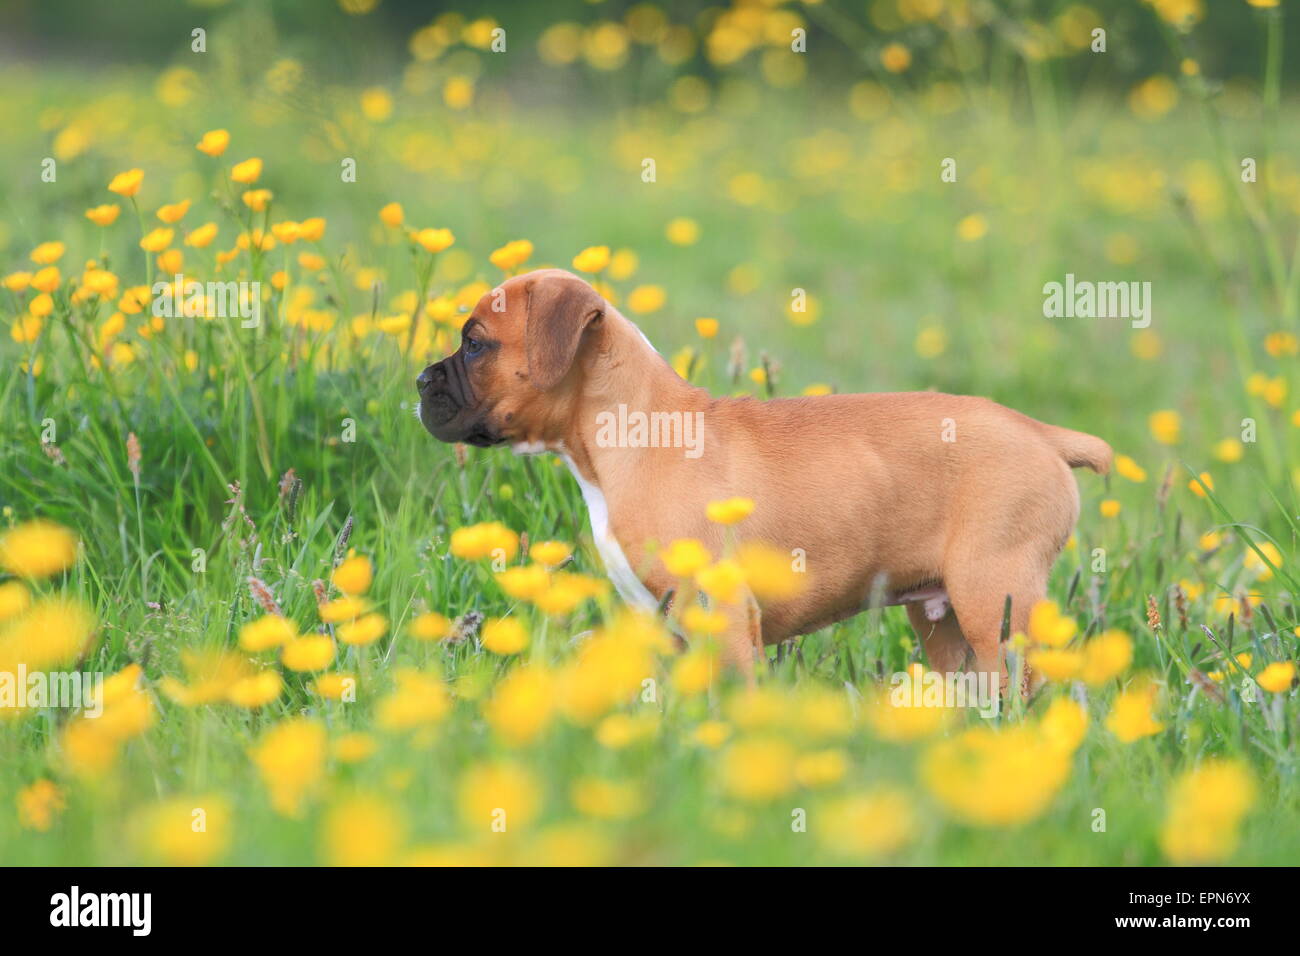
x=948 y=504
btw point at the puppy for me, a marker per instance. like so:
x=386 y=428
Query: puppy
x=950 y=505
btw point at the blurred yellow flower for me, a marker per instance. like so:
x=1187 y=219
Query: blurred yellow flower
x=996 y=777
x=266 y=632
x=313 y=652
x=353 y=575
x=1166 y=426
x=364 y=630
x=758 y=769
x=362 y=830
x=729 y=511
x=593 y=259
x=190 y=830
x=291 y=759
x=1277 y=677
x=522 y=706
x=683 y=231
x=895 y=58
x=247 y=172
x=870 y=824
x=37 y=549
x=645 y=299
x=213 y=142
x=498 y=797
x=1126 y=467
x=1206 y=806
x=127 y=183
x=434 y=240
x=1131 y=717
x=391 y=215
x=504 y=636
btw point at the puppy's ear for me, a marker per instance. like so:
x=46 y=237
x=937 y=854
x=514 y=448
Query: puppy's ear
x=560 y=309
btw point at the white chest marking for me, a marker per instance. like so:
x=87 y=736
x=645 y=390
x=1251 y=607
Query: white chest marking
x=626 y=582
x=529 y=447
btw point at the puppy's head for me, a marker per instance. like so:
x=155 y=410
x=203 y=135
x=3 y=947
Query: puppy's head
x=517 y=352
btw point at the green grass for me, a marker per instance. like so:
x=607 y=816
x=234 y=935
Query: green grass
x=854 y=212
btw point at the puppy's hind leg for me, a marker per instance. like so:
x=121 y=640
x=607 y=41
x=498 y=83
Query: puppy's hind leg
x=946 y=647
x=979 y=590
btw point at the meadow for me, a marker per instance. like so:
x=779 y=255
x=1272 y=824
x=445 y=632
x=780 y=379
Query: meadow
x=331 y=639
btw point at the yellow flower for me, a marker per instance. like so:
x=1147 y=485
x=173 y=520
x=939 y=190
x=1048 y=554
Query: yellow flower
x=291 y=759
x=157 y=240
x=312 y=230
x=247 y=172
x=1262 y=569
x=972 y=228
x=266 y=632
x=729 y=511
x=758 y=769
x=1131 y=715
x=364 y=630
x=1166 y=426
x=183 y=831
x=550 y=553
x=434 y=240
x=1105 y=657
x=46 y=280
x=342 y=609
x=931 y=342
x=996 y=778
x=362 y=830
x=770 y=572
x=313 y=652
x=703 y=622
x=47 y=253
x=392 y=215
x=706 y=328
x=354 y=747
x=418 y=700
x=871 y=824
x=1206 y=806
x=723 y=581
x=37 y=549
x=1277 y=677
x=127 y=183
x=353 y=576
x=38 y=804
x=695 y=672
x=1109 y=508
x=173 y=212
x=1229 y=450
x=1126 y=467
x=1064 y=724
x=202 y=237
x=498 y=797
x=14 y=599
x=430 y=627
x=512 y=255
x=214 y=142
x=27 y=328
x=684 y=557
x=17 y=281
x=711 y=734
x=376 y=104
x=504 y=636
x=487 y=540
x=1201 y=484
x=104 y=215
x=895 y=58
x=645 y=299
x=593 y=259
x=1056 y=664
x=522 y=706
x=607 y=799
x=821 y=769
x=257 y=690
x=257 y=200
x=1047 y=625
x=683 y=231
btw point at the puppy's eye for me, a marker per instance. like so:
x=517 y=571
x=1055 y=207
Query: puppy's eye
x=473 y=346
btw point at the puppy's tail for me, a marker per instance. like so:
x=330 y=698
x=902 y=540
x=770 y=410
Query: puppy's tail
x=1079 y=449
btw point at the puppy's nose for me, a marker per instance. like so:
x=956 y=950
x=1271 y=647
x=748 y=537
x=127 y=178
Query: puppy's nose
x=429 y=376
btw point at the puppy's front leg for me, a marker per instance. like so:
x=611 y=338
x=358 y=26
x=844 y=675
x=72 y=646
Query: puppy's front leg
x=742 y=642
